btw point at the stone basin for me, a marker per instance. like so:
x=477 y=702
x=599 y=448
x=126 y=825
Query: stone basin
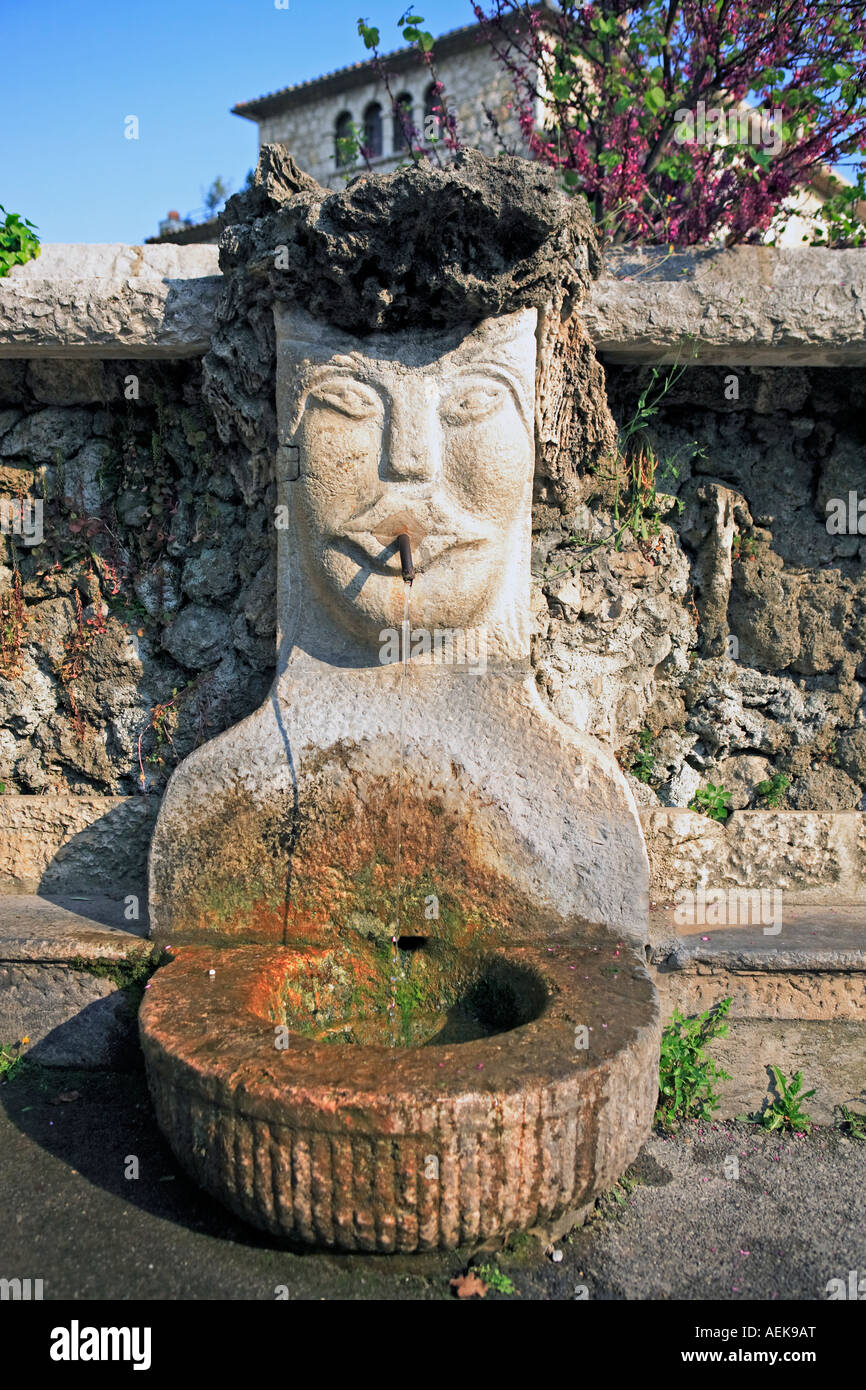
x=487 y=1117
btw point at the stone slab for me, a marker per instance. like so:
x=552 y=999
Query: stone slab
x=71 y=1018
x=810 y=938
x=749 y=306
x=110 y=300
x=37 y=929
x=814 y=969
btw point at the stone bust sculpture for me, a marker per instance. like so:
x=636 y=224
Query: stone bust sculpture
x=405 y=357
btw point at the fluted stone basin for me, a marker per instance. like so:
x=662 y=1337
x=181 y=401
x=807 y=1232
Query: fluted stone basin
x=488 y=1116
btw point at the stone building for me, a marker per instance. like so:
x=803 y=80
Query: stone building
x=310 y=117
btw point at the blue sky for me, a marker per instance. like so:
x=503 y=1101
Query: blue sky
x=73 y=70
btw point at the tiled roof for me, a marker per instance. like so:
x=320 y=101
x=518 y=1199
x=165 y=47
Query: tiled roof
x=454 y=41
x=329 y=82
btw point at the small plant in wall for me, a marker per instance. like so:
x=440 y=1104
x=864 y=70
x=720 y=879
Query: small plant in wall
x=13 y=620
x=633 y=474
x=773 y=789
x=784 y=1112
x=644 y=761
x=17 y=241
x=711 y=801
x=687 y=1076
x=743 y=548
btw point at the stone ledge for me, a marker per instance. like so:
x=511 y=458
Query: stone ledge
x=110 y=300
x=830 y=1055
x=71 y=1016
x=39 y=929
x=749 y=306
x=813 y=939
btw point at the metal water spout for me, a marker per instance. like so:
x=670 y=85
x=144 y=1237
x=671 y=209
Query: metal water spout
x=404 y=546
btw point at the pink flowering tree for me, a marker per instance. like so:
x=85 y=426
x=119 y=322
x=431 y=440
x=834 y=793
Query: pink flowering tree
x=685 y=121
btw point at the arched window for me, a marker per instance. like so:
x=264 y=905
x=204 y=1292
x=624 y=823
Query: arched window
x=342 y=134
x=373 y=130
x=402 y=121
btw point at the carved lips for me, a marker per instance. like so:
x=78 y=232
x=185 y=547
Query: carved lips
x=433 y=530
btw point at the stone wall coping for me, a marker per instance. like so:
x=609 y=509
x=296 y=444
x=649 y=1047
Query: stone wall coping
x=110 y=300
x=748 y=306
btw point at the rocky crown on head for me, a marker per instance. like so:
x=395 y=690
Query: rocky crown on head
x=421 y=247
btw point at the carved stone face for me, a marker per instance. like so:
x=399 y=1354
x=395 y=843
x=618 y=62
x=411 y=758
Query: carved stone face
x=432 y=435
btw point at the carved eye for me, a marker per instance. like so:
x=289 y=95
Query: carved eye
x=349 y=398
x=474 y=402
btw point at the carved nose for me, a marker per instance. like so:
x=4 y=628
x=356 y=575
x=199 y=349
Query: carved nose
x=412 y=444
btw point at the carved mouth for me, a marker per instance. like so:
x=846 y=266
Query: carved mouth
x=384 y=558
x=432 y=532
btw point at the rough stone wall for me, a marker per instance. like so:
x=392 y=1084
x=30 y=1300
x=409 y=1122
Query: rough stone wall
x=631 y=640
x=729 y=645
x=143 y=623
x=473 y=81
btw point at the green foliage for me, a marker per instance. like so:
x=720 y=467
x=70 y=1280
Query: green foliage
x=11 y=1059
x=368 y=33
x=348 y=148
x=853 y=1122
x=495 y=1279
x=686 y=1074
x=784 y=1112
x=644 y=763
x=743 y=547
x=409 y=22
x=17 y=242
x=131 y=973
x=774 y=788
x=840 y=221
x=635 y=473
x=711 y=801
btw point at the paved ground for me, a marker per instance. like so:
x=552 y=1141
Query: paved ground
x=794 y=1218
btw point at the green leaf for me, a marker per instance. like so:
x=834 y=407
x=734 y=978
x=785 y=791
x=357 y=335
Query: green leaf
x=369 y=34
x=655 y=100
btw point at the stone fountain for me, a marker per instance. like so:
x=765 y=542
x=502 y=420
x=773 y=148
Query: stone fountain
x=409 y=1006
